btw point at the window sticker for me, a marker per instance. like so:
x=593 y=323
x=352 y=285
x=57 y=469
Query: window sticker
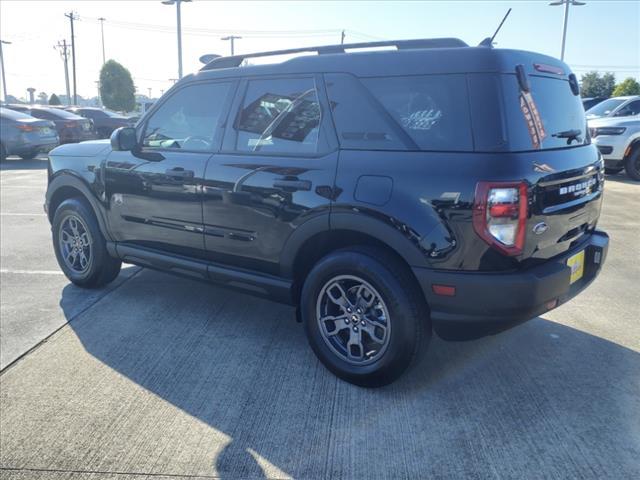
x=533 y=120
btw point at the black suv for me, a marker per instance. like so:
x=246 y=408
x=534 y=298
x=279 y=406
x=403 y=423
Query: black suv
x=385 y=193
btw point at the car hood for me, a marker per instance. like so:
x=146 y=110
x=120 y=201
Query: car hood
x=90 y=148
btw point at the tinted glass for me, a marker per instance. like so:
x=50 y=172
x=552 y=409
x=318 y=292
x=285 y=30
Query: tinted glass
x=12 y=114
x=188 y=119
x=280 y=116
x=361 y=123
x=561 y=116
x=631 y=108
x=54 y=113
x=605 y=108
x=432 y=109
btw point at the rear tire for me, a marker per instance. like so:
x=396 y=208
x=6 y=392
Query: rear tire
x=80 y=247
x=28 y=155
x=380 y=315
x=632 y=164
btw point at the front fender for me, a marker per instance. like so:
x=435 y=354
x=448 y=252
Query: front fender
x=64 y=185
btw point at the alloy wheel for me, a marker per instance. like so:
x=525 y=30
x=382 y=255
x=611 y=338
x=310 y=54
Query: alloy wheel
x=353 y=319
x=75 y=243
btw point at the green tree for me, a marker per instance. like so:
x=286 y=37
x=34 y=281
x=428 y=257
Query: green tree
x=116 y=87
x=628 y=87
x=594 y=85
x=54 y=100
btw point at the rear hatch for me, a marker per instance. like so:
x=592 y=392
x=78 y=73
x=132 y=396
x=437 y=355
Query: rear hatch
x=545 y=131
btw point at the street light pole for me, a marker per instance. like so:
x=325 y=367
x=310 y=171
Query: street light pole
x=4 y=79
x=566 y=19
x=179 y=22
x=231 y=38
x=102 y=19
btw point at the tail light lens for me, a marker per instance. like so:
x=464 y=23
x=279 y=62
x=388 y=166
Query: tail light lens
x=25 y=128
x=500 y=215
x=70 y=124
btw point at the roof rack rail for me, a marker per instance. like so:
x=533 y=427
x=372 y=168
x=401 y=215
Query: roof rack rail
x=215 y=62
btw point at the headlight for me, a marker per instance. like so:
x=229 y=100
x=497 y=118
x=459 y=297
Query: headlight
x=607 y=131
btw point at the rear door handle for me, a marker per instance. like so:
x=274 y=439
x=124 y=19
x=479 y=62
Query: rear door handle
x=292 y=184
x=180 y=172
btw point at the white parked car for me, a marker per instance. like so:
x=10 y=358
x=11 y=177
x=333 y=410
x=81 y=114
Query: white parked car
x=615 y=107
x=618 y=140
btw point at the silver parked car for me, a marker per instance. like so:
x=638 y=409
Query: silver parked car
x=618 y=140
x=615 y=107
x=23 y=135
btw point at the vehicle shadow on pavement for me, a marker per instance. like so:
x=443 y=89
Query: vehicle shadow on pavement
x=19 y=164
x=542 y=397
x=621 y=177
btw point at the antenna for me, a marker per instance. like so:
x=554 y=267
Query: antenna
x=488 y=42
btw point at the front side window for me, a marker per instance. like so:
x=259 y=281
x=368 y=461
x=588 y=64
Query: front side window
x=603 y=109
x=631 y=108
x=188 y=119
x=279 y=116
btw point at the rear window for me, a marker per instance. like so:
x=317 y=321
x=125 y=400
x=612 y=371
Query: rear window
x=54 y=113
x=558 y=123
x=12 y=114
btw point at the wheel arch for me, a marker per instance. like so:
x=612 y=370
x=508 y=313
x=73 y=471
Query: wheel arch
x=65 y=186
x=314 y=239
x=632 y=147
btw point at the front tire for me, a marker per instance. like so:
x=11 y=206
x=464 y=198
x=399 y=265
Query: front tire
x=364 y=315
x=632 y=165
x=80 y=247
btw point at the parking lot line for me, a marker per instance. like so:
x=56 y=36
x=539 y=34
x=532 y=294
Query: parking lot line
x=31 y=272
x=7 y=214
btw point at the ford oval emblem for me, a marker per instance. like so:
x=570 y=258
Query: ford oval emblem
x=540 y=228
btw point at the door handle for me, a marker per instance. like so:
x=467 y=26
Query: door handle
x=180 y=172
x=292 y=184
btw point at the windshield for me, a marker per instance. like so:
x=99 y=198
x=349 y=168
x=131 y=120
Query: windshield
x=605 y=108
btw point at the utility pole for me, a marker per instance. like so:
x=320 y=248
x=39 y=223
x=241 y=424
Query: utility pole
x=231 y=38
x=149 y=88
x=64 y=53
x=566 y=4
x=99 y=99
x=342 y=35
x=71 y=16
x=4 y=79
x=179 y=21
x=102 y=19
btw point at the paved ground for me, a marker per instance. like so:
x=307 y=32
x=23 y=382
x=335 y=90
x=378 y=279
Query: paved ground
x=158 y=377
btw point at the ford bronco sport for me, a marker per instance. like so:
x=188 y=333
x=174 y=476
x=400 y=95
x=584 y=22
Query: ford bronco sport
x=385 y=193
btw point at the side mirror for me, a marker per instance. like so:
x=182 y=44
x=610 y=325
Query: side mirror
x=124 y=139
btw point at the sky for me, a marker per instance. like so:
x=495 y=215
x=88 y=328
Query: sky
x=602 y=35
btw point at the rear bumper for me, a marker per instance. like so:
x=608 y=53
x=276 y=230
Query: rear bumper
x=486 y=303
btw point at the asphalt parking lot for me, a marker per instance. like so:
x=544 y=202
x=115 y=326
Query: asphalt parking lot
x=161 y=377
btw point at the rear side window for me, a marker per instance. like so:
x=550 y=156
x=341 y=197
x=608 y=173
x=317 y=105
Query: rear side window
x=279 y=116
x=432 y=109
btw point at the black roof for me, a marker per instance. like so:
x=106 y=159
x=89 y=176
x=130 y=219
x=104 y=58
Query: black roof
x=411 y=57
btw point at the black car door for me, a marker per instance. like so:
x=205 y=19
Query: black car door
x=154 y=192
x=276 y=171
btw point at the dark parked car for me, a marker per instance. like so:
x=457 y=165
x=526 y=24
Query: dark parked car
x=71 y=128
x=589 y=102
x=386 y=194
x=104 y=121
x=25 y=136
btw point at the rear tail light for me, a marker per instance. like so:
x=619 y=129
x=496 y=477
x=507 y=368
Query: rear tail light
x=70 y=124
x=25 y=128
x=500 y=215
